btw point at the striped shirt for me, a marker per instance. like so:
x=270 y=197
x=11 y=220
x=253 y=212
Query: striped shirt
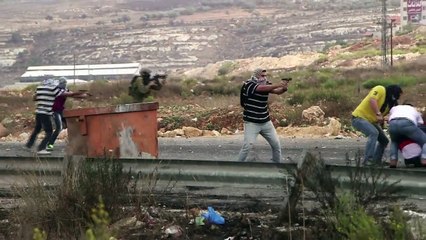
x=45 y=97
x=256 y=104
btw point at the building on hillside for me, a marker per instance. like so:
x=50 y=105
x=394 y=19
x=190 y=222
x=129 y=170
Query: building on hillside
x=84 y=72
x=413 y=11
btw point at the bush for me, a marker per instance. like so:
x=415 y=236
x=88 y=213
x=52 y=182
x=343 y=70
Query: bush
x=296 y=99
x=172 y=122
x=124 y=98
x=65 y=211
x=226 y=68
x=353 y=222
x=403 y=81
x=321 y=95
x=188 y=86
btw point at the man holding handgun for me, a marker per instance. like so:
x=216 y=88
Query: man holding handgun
x=256 y=117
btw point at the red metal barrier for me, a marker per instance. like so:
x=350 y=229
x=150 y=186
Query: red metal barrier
x=122 y=131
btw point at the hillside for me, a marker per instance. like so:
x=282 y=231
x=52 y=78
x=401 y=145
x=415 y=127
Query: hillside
x=203 y=92
x=173 y=35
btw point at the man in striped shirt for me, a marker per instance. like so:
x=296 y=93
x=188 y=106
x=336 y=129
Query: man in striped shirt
x=45 y=96
x=256 y=118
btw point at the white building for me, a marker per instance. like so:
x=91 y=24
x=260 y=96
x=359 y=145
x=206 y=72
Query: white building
x=85 y=72
x=413 y=11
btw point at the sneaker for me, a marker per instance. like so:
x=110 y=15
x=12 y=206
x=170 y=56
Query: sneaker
x=49 y=147
x=371 y=163
x=43 y=152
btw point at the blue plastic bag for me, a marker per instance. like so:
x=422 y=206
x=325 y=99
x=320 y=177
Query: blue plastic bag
x=213 y=217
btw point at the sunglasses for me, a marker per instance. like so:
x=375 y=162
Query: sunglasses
x=263 y=75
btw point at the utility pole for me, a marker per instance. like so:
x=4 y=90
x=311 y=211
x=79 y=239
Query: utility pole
x=384 y=34
x=391 y=41
x=74 y=68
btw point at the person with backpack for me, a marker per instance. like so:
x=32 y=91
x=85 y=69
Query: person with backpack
x=254 y=99
x=404 y=124
x=369 y=116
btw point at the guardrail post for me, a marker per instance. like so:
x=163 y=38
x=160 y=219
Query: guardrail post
x=304 y=169
x=71 y=169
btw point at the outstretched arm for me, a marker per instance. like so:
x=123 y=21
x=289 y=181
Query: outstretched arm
x=74 y=94
x=282 y=89
x=271 y=88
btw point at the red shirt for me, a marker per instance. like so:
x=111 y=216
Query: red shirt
x=59 y=103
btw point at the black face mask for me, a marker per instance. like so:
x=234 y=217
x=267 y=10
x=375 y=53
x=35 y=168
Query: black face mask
x=393 y=92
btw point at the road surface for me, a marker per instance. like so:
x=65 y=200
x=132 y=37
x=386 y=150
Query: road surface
x=226 y=148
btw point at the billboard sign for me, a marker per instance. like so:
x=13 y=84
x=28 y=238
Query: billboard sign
x=414 y=10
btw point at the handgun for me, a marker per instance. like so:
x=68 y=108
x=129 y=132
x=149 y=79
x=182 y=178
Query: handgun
x=288 y=79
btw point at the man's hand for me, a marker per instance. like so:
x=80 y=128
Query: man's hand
x=380 y=119
x=283 y=86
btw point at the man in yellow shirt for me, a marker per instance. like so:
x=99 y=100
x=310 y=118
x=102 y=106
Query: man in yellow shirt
x=368 y=118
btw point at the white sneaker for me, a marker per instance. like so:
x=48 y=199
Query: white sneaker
x=43 y=152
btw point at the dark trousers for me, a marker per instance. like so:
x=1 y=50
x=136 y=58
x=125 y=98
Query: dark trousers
x=42 y=122
x=57 y=118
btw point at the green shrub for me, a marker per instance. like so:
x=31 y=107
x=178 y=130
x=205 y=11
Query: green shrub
x=296 y=99
x=188 y=86
x=124 y=98
x=330 y=84
x=226 y=68
x=398 y=225
x=353 y=222
x=325 y=75
x=227 y=89
x=322 y=95
x=294 y=116
x=100 y=222
x=372 y=52
x=172 y=122
x=65 y=210
x=401 y=80
x=322 y=59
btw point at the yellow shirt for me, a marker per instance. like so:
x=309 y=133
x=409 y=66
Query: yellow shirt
x=364 y=109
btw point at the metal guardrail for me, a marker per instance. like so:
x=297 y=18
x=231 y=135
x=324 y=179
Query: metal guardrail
x=216 y=173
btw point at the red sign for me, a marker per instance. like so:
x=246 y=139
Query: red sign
x=414 y=10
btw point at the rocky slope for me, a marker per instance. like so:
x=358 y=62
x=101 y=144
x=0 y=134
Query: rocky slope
x=172 y=36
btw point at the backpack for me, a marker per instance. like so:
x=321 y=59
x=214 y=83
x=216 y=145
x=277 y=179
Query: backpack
x=243 y=94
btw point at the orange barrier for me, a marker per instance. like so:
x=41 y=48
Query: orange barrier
x=122 y=131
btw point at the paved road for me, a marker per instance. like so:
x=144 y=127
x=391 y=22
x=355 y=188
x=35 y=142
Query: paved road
x=227 y=147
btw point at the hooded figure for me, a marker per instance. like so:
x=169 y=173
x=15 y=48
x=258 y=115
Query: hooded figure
x=62 y=83
x=393 y=92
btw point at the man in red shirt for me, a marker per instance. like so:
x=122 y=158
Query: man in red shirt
x=58 y=109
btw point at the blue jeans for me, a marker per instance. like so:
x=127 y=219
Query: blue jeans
x=57 y=117
x=374 y=134
x=402 y=128
x=267 y=130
